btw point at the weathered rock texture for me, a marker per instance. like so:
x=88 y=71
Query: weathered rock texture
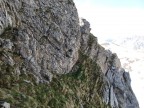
x=46 y=33
x=117 y=91
x=50 y=60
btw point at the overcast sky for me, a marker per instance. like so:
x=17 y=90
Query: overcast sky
x=113 y=18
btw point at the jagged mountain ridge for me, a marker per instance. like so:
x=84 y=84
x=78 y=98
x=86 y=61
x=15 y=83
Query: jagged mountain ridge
x=49 y=60
x=130 y=51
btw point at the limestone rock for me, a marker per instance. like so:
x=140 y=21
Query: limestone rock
x=117 y=92
x=44 y=32
x=4 y=104
x=42 y=39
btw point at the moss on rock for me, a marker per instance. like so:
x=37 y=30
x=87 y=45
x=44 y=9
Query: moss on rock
x=81 y=87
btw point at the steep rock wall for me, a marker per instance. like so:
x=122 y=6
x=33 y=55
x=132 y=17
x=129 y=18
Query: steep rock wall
x=41 y=42
x=47 y=33
x=117 y=92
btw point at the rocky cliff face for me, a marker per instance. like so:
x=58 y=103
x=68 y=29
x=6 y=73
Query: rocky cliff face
x=50 y=60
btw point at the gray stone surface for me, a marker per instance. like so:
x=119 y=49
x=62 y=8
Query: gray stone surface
x=47 y=33
x=4 y=104
x=48 y=36
x=117 y=92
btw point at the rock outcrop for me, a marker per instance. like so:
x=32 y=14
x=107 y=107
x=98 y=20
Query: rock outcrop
x=50 y=60
x=44 y=31
x=118 y=92
x=4 y=104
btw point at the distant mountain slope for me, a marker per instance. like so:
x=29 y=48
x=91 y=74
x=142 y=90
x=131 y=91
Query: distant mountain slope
x=134 y=42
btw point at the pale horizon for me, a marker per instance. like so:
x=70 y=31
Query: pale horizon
x=110 y=21
x=115 y=19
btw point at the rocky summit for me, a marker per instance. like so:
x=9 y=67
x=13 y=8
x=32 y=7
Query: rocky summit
x=49 y=59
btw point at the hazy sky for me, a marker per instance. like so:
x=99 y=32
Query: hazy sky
x=115 y=3
x=113 y=18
